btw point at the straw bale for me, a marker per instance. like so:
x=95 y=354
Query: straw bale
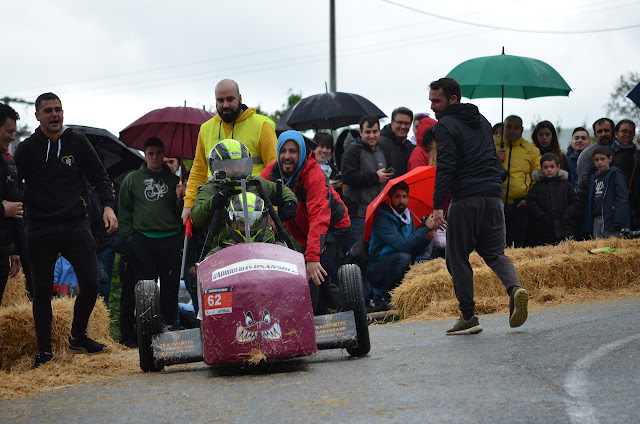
x=565 y=273
x=18 y=347
x=15 y=292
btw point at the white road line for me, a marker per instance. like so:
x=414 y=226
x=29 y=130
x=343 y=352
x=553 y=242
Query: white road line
x=577 y=381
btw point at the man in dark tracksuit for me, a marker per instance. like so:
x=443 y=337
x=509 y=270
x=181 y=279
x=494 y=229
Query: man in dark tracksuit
x=10 y=206
x=467 y=169
x=56 y=163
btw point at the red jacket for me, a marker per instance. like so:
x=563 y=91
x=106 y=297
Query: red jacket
x=319 y=206
x=419 y=157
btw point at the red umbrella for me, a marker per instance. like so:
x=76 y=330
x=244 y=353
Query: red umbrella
x=421 y=181
x=177 y=127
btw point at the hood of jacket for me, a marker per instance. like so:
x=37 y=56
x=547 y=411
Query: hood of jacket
x=291 y=135
x=538 y=175
x=467 y=113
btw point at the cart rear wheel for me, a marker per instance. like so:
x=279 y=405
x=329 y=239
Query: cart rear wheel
x=350 y=281
x=148 y=322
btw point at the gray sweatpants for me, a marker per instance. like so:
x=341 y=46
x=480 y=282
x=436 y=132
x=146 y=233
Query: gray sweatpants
x=476 y=223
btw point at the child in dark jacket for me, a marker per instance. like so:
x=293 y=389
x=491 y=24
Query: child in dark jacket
x=552 y=202
x=608 y=205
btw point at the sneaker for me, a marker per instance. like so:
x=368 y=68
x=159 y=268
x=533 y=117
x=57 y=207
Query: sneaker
x=518 y=307
x=85 y=345
x=42 y=358
x=462 y=327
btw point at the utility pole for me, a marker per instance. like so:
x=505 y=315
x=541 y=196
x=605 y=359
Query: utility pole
x=332 y=45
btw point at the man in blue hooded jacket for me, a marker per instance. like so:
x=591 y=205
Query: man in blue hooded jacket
x=321 y=224
x=394 y=241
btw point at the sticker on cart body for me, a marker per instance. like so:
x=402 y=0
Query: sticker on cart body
x=218 y=301
x=253 y=265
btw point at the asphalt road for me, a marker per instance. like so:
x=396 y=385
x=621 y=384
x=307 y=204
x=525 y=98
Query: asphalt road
x=571 y=364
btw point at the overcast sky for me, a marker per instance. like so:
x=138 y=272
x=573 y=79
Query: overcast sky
x=113 y=61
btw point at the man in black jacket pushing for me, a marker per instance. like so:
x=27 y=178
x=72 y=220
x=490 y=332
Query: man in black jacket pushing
x=55 y=163
x=467 y=170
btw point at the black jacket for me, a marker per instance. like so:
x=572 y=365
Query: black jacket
x=359 y=175
x=8 y=191
x=554 y=204
x=396 y=152
x=54 y=174
x=467 y=161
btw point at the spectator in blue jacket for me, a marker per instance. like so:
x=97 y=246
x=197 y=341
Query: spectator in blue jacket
x=608 y=204
x=395 y=242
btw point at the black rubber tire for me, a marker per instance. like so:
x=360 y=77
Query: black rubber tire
x=148 y=322
x=350 y=281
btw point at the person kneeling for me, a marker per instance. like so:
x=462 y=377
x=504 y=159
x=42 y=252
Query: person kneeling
x=394 y=241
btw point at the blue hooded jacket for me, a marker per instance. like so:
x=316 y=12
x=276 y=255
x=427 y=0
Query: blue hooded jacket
x=302 y=151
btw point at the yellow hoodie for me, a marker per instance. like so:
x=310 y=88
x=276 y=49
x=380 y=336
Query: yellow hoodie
x=255 y=131
x=525 y=158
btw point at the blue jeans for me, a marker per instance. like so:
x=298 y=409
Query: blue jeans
x=106 y=258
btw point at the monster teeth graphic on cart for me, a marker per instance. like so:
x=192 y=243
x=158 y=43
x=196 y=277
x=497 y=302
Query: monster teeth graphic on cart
x=268 y=328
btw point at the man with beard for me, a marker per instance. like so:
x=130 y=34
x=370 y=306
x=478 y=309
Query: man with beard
x=234 y=120
x=321 y=224
x=603 y=130
x=395 y=242
x=467 y=170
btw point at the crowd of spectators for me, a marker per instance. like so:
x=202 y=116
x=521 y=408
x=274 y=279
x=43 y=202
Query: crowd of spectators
x=548 y=195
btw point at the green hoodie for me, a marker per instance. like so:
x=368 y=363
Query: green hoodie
x=148 y=204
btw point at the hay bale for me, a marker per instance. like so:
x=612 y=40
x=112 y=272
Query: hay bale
x=18 y=346
x=18 y=337
x=560 y=274
x=15 y=292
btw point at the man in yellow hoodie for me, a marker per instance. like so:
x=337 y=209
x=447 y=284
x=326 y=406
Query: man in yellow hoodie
x=520 y=158
x=233 y=120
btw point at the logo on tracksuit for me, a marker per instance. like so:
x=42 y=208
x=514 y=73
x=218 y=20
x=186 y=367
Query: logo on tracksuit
x=156 y=189
x=67 y=160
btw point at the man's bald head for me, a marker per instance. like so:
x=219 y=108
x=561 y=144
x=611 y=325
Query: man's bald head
x=227 y=85
x=228 y=100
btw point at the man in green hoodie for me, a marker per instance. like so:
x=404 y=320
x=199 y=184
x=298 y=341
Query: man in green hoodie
x=149 y=207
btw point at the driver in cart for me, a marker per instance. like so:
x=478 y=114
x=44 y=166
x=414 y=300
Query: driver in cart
x=229 y=162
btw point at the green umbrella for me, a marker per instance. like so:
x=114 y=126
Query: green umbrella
x=509 y=76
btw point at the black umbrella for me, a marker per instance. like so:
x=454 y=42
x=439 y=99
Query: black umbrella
x=328 y=111
x=117 y=158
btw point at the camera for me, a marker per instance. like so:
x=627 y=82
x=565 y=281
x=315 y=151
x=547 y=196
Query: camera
x=220 y=175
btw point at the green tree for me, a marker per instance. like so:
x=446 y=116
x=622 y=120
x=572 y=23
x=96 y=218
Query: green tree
x=619 y=106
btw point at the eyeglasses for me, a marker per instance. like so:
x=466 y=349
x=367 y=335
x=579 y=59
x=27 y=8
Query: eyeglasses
x=627 y=132
x=403 y=123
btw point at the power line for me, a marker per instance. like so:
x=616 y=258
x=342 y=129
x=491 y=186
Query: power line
x=530 y=31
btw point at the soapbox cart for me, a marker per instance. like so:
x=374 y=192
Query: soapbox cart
x=255 y=305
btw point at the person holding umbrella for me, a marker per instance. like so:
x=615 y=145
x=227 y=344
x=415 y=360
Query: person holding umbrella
x=234 y=120
x=467 y=170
